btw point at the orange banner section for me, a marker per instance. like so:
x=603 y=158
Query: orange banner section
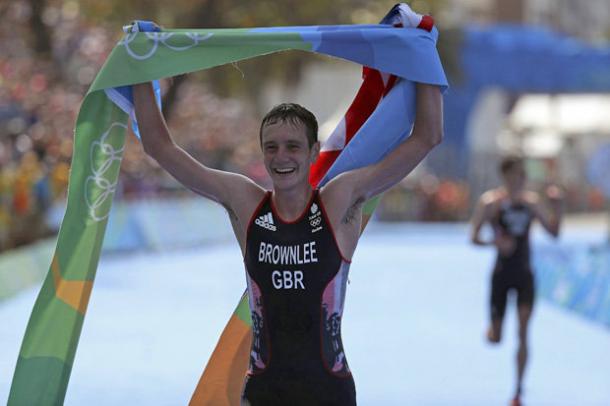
x=222 y=380
x=74 y=293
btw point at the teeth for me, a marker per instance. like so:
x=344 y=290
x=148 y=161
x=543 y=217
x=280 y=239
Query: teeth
x=284 y=170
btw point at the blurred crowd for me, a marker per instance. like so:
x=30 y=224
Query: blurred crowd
x=40 y=96
x=37 y=111
x=426 y=198
x=220 y=133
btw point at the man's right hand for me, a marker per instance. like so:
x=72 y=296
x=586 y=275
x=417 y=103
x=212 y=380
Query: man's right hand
x=505 y=243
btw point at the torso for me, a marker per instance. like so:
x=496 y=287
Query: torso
x=514 y=218
x=296 y=285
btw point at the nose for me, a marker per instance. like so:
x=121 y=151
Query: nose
x=281 y=153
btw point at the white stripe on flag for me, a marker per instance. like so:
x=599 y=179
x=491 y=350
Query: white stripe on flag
x=385 y=77
x=336 y=141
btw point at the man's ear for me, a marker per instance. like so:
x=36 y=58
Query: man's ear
x=315 y=152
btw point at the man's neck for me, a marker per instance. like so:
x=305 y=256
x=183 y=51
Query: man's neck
x=513 y=193
x=290 y=204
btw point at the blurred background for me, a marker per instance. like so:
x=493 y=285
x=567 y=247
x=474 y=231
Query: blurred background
x=52 y=50
x=527 y=76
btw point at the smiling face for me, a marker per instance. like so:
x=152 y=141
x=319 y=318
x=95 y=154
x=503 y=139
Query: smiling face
x=287 y=154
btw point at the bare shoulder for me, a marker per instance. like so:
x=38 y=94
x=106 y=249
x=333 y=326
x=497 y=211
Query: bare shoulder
x=334 y=188
x=244 y=198
x=244 y=195
x=489 y=203
x=338 y=195
x=491 y=197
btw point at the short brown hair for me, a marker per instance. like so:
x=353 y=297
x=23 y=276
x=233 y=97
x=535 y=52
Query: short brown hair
x=509 y=162
x=295 y=114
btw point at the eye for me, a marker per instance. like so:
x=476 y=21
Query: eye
x=270 y=148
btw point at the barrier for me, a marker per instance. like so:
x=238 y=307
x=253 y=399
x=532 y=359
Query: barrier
x=165 y=225
x=23 y=267
x=576 y=277
x=142 y=225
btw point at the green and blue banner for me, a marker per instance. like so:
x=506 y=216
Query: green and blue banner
x=51 y=339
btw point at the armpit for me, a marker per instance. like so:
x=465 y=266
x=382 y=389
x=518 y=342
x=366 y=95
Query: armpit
x=354 y=212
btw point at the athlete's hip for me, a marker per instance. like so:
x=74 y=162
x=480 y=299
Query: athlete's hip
x=505 y=266
x=297 y=386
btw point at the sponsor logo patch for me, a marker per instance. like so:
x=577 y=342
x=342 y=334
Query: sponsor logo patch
x=315 y=219
x=266 y=221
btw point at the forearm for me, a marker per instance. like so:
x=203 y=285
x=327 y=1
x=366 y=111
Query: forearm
x=475 y=238
x=550 y=216
x=428 y=126
x=427 y=133
x=554 y=221
x=225 y=188
x=480 y=216
x=157 y=141
x=153 y=129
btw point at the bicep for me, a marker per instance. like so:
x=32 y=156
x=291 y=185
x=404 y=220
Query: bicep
x=339 y=193
x=377 y=178
x=358 y=185
x=427 y=133
x=220 y=186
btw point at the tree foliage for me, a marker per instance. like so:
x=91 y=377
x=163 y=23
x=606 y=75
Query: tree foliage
x=228 y=81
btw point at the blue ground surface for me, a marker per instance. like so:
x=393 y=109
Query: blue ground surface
x=415 y=314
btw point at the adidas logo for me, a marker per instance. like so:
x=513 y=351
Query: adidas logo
x=266 y=221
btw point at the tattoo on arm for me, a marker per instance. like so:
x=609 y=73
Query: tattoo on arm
x=351 y=213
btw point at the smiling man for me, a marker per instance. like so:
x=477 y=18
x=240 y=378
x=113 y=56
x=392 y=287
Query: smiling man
x=297 y=242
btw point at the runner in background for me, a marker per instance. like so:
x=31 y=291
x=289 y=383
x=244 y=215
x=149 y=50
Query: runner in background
x=510 y=210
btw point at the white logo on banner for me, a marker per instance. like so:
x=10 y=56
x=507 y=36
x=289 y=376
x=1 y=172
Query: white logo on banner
x=99 y=189
x=162 y=37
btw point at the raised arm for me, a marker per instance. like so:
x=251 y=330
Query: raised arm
x=427 y=133
x=237 y=193
x=550 y=216
x=354 y=187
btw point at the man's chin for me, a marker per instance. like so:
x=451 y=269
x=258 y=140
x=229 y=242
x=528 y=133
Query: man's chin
x=280 y=184
x=285 y=182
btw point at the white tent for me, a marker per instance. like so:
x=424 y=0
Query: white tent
x=563 y=114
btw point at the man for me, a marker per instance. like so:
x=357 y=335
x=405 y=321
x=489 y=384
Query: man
x=297 y=242
x=510 y=210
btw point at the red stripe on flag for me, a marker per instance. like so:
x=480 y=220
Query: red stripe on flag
x=366 y=101
x=321 y=166
x=370 y=93
x=426 y=23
